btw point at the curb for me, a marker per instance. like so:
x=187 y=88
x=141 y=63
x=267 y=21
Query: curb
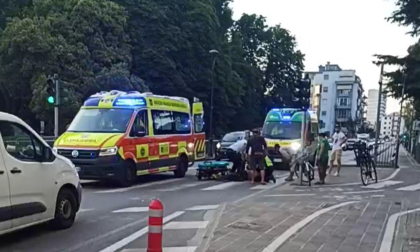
x=208 y=235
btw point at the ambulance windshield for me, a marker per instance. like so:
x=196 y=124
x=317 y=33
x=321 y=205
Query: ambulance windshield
x=282 y=130
x=101 y=120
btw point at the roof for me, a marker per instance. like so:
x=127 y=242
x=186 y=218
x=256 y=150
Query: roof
x=10 y=118
x=117 y=98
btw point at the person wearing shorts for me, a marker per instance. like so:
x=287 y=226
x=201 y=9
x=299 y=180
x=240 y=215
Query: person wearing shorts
x=256 y=149
x=322 y=158
x=338 y=140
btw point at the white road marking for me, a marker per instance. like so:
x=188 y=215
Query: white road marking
x=296 y=227
x=290 y=195
x=377 y=196
x=168 y=249
x=388 y=238
x=139 y=186
x=204 y=207
x=132 y=210
x=383 y=184
x=361 y=192
x=186 y=225
x=180 y=187
x=414 y=187
x=118 y=245
x=85 y=210
x=221 y=186
x=393 y=175
x=262 y=187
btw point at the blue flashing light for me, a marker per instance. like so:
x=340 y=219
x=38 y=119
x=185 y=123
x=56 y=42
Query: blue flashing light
x=287 y=117
x=275 y=109
x=129 y=102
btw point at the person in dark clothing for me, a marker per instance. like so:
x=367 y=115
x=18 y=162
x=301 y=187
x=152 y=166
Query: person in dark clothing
x=256 y=150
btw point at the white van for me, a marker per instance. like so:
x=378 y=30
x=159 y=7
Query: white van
x=36 y=184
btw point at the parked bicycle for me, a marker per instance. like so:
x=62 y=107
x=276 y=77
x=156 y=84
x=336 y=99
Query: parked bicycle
x=366 y=163
x=302 y=162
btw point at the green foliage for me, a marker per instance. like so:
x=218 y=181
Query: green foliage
x=146 y=45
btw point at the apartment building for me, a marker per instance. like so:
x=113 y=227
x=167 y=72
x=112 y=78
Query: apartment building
x=389 y=125
x=337 y=95
x=372 y=106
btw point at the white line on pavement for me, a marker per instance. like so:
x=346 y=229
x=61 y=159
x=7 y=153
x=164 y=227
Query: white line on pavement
x=168 y=249
x=358 y=183
x=118 y=245
x=221 y=186
x=132 y=210
x=262 y=187
x=290 y=195
x=383 y=184
x=139 y=186
x=377 y=196
x=296 y=227
x=85 y=210
x=180 y=187
x=388 y=238
x=185 y=225
x=414 y=187
x=204 y=207
x=361 y=192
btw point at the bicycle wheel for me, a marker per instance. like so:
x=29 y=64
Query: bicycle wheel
x=373 y=172
x=297 y=172
x=364 y=172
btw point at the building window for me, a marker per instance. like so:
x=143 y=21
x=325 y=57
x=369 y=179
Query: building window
x=324 y=101
x=343 y=101
x=325 y=89
x=324 y=113
x=326 y=77
x=169 y=122
x=344 y=92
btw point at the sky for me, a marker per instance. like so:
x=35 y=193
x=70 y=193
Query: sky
x=343 y=32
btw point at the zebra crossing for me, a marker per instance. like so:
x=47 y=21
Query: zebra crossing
x=175 y=222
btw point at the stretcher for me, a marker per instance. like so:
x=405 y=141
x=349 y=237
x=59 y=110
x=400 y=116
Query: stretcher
x=212 y=170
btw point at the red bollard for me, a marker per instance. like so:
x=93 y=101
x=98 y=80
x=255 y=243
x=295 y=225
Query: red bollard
x=154 y=241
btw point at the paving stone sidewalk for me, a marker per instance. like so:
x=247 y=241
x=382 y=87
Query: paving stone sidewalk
x=408 y=234
x=252 y=226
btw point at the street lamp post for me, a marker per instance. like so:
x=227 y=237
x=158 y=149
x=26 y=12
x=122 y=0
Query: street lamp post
x=399 y=122
x=214 y=53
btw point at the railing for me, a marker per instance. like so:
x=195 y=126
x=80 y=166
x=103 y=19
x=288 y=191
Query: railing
x=386 y=154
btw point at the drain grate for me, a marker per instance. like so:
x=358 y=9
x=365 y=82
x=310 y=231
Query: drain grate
x=252 y=226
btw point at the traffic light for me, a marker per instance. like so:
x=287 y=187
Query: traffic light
x=302 y=93
x=51 y=91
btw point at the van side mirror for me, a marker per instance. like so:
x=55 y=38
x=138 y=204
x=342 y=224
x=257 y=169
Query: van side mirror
x=47 y=154
x=138 y=131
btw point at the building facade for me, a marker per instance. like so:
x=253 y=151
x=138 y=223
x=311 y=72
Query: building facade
x=337 y=95
x=389 y=125
x=372 y=106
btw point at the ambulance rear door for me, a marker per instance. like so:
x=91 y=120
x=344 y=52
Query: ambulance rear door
x=199 y=131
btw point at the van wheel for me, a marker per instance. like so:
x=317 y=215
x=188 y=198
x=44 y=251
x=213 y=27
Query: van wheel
x=65 y=210
x=129 y=175
x=181 y=167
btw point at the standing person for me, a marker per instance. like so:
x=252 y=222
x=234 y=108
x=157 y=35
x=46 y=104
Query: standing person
x=256 y=149
x=338 y=140
x=322 y=158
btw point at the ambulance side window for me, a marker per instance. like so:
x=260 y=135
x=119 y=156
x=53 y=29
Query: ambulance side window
x=141 y=122
x=198 y=123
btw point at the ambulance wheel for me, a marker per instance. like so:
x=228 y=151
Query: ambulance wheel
x=181 y=167
x=129 y=175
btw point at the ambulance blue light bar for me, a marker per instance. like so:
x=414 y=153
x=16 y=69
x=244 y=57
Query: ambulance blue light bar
x=127 y=102
x=287 y=117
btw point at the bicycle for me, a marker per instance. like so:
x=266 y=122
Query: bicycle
x=366 y=163
x=302 y=160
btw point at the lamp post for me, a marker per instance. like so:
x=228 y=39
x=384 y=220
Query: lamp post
x=399 y=121
x=214 y=53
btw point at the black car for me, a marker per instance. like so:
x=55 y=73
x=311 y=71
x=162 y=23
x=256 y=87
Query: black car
x=229 y=139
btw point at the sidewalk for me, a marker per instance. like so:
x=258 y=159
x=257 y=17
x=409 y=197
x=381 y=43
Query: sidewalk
x=304 y=226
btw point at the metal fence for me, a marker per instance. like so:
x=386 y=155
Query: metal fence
x=386 y=154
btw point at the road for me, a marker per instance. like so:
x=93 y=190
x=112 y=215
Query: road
x=341 y=216
x=110 y=214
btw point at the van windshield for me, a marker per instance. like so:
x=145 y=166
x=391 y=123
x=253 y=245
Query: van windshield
x=282 y=130
x=101 y=120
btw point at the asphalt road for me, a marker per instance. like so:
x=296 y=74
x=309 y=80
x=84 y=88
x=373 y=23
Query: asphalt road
x=109 y=215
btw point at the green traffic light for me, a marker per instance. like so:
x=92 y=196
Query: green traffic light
x=50 y=99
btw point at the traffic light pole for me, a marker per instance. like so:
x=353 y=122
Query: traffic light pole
x=397 y=153
x=303 y=143
x=56 y=105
